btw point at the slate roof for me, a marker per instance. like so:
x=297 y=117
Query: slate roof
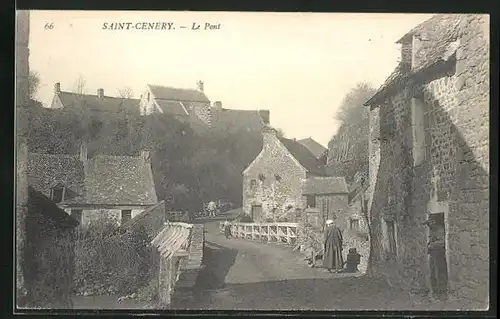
x=95 y=103
x=172 y=107
x=119 y=180
x=314 y=147
x=176 y=94
x=304 y=156
x=38 y=203
x=46 y=171
x=439 y=35
x=102 y=180
x=152 y=219
x=171 y=238
x=325 y=185
x=228 y=119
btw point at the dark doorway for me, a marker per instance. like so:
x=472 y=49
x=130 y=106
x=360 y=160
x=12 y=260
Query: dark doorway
x=437 y=255
x=256 y=213
x=126 y=215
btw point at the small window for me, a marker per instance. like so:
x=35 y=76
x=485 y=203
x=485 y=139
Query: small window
x=253 y=183
x=354 y=223
x=262 y=177
x=311 y=201
x=57 y=194
x=77 y=214
x=277 y=177
x=148 y=96
x=126 y=215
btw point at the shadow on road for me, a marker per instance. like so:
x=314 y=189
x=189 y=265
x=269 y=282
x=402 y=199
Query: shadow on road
x=349 y=293
x=217 y=261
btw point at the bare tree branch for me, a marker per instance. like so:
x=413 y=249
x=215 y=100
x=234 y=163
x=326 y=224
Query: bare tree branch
x=80 y=85
x=126 y=93
x=33 y=84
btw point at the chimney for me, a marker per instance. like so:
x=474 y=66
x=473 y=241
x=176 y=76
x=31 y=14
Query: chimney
x=83 y=151
x=199 y=86
x=264 y=114
x=100 y=93
x=269 y=135
x=217 y=105
x=57 y=88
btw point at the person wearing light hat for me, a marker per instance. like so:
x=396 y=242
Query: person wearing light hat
x=332 y=256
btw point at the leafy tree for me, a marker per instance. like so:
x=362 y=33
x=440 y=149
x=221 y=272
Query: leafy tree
x=348 y=149
x=33 y=84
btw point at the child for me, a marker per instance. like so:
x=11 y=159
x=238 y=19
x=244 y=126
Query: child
x=227 y=229
x=352 y=261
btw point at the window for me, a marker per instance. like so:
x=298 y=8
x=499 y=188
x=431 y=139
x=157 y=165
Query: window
x=148 y=96
x=354 y=223
x=311 y=201
x=418 y=130
x=262 y=177
x=253 y=183
x=391 y=238
x=277 y=177
x=77 y=214
x=126 y=215
x=57 y=194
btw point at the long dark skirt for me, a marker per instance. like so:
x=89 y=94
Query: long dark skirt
x=227 y=231
x=439 y=272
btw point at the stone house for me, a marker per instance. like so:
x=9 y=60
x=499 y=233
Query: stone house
x=88 y=187
x=317 y=149
x=429 y=160
x=326 y=195
x=193 y=106
x=48 y=254
x=273 y=184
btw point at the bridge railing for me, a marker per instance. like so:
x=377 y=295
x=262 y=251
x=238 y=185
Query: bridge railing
x=283 y=233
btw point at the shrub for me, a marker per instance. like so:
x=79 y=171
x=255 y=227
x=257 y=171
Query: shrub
x=108 y=262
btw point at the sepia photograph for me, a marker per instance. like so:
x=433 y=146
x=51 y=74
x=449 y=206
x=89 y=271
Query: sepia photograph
x=188 y=160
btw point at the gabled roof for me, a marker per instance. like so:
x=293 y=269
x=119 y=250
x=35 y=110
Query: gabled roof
x=40 y=204
x=151 y=219
x=303 y=156
x=325 y=185
x=95 y=103
x=101 y=180
x=46 y=171
x=438 y=45
x=231 y=120
x=176 y=94
x=314 y=147
x=119 y=180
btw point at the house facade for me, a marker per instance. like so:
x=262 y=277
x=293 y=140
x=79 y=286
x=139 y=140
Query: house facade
x=193 y=106
x=273 y=184
x=429 y=162
x=120 y=187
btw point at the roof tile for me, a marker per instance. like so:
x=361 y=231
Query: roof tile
x=325 y=185
x=176 y=94
x=304 y=156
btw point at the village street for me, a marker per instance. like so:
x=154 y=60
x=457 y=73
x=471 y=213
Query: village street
x=243 y=275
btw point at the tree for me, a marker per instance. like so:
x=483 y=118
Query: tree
x=80 y=85
x=126 y=93
x=33 y=84
x=348 y=149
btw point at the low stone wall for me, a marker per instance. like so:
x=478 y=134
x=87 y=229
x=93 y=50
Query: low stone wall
x=183 y=293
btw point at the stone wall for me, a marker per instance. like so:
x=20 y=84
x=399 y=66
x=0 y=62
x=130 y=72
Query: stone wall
x=184 y=291
x=274 y=194
x=202 y=111
x=355 y=237
x=453 y=178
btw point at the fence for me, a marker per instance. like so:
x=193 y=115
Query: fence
x=285 y=233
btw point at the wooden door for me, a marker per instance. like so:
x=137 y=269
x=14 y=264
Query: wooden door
x=437 y=255
x=256 y=213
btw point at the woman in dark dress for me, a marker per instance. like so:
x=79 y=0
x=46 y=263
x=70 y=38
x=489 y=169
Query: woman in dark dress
x=332 y=256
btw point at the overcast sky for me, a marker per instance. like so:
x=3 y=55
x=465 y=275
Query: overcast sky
x=297 y=65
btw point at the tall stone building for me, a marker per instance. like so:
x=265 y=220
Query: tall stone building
x=429 y=162
x=22 y=98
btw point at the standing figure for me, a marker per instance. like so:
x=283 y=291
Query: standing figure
x=332 y=256
x=211 y=209
x=352 y=261
x=227 y=229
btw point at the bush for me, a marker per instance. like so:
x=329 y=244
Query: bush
x=110 y=263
